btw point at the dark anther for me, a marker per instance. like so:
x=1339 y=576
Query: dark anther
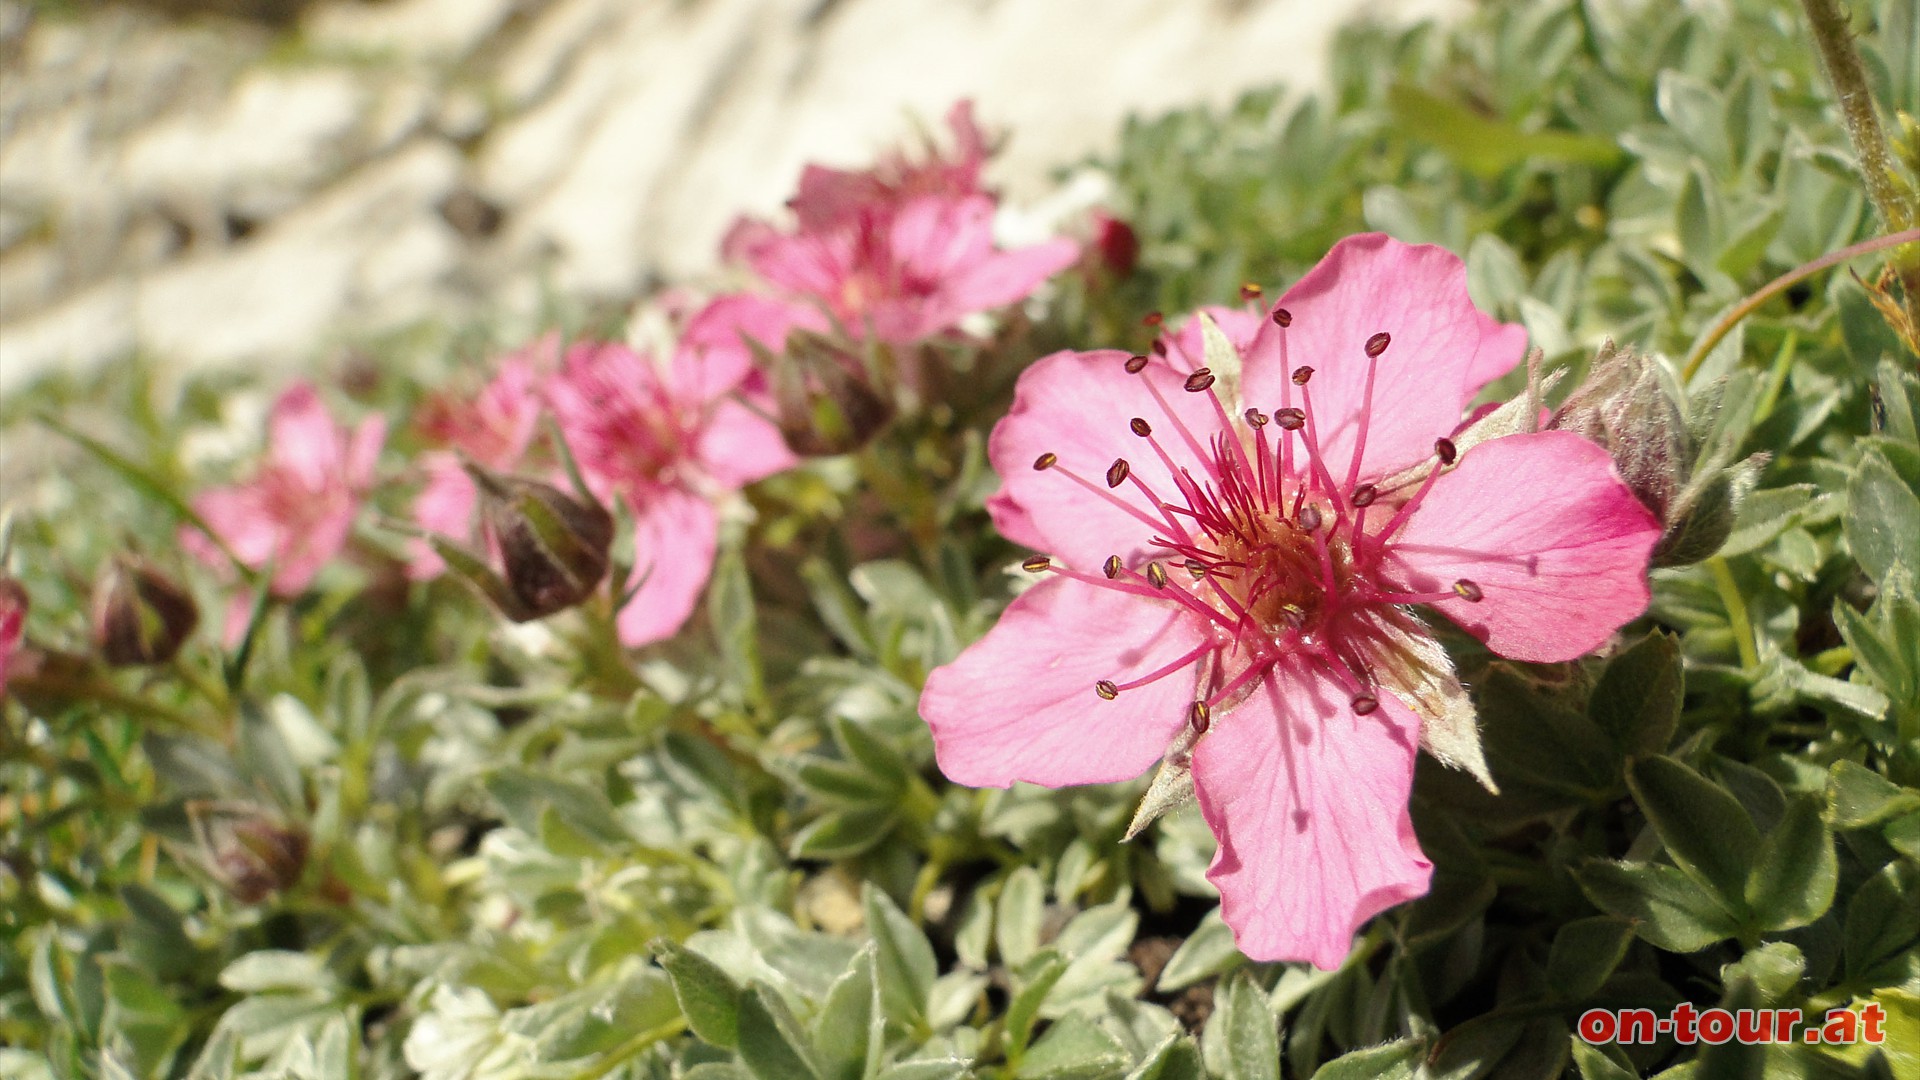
x=1199 y=380
x=1468 y=591
x=1136 y=364
x=1301 y=374
x=1249 y=291
x=1036 y=564
x=1201 y=718
x=1365 y=703
x=1140 y=427
x=1196 y=568
x=1309 y=517
x=1365 y=494
x=1282 y=317
x=1160 y=348
x=1377 y=344
x=1106 y=689
x=1117 y=472
x=1256 y=418
x=1157 y=575
x=1112 y=567
x=1153 y=318
x=1290 y=419
x=1045 y=461
x=1445 y=451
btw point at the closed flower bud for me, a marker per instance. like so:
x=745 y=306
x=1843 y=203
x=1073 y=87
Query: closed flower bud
x=1117 y=245
x=552 y=545
x=13 y=623
x=140 y=616
x=1623 y=407
x=255 y=856
x=825 y=400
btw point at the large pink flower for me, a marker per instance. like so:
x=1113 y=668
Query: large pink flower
x=295 y=514
x=1236 y=554
x=672 y=441
x=494 y=428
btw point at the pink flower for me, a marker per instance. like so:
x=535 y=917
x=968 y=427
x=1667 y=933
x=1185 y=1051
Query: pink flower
x=1239 y=563
x=296 y=511
x=908 y=275
x=673 y=442
x=494 y=428
x=830 y=198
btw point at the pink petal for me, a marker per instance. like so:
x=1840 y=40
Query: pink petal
x=714 y=356
x=1006 y=277
x=738 y=446
x=674 y=533
x=1242 y=327
x=1077 y=406
x=444 y=507
x=363 y=454
x=1443 y=350
x=244 y=521
x=1309 y=802
x=935 y=238
x=1020 y=704
x=303 y=439
x=1546 y=529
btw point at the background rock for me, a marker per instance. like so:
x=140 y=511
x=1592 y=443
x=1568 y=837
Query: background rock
x=213 y=190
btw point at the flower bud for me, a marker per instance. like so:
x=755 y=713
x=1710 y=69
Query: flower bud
x=824 y=399
x=552 y=545
x=256 y=855
x=140 y=616
x=1623 y=407
x=1116 y=243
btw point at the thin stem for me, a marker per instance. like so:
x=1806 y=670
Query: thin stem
x=1784 y=282
x=1737 y=619
x=1858 y=114
x=1777 y=378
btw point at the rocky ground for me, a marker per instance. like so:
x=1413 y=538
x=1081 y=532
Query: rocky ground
x=218 y=189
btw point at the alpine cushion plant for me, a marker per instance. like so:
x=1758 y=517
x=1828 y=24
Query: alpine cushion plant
x=296 y=512
x=1235 y=559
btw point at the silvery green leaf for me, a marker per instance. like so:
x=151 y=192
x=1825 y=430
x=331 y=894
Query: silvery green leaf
x=1172 y=786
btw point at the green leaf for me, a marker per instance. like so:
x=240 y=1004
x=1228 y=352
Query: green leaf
x=1793 y=882
x=1175 y=1059
x=1397 y=1060
x=276 y=970
x=770 y=1039
x=1706 y=831
x=1241 y=1040
x=1485 y=146
x=1882 y=640
x=1665 y=906
x=1594 y=1064
x=849 y=1024
x=904 y=961
x=1208 y=951
x=1859 y=798
x=730 y=611
x=1074 y=1048
x=1637 y=699
x=709 y=998
x=1033 y=980
x=840 y=834
x=1883 y=517
x=1584 y=953
x=1022 y=905
x=1883 y=920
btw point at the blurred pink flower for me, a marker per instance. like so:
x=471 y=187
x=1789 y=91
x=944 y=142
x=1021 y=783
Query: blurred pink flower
x=1230 y=558
x=908 y=275
x=494 y=428
x=295 y=513
x=673 y=441
x=902 y=251
x=830 y=198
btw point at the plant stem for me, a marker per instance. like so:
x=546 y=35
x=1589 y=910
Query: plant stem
x=1736 y=607
x=1858 y=113
x=1781 y=284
